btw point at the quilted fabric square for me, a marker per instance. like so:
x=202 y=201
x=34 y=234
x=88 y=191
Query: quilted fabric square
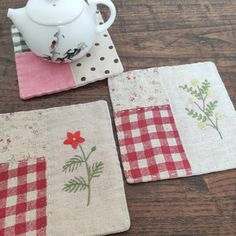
x=23 y=198
x=37 y=77
x=85 y=193
x=150 y=144
x=204 y=122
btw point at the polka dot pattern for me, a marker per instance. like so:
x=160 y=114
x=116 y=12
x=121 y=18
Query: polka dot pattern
x=100 y=62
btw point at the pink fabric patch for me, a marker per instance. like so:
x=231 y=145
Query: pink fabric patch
x=37 y=77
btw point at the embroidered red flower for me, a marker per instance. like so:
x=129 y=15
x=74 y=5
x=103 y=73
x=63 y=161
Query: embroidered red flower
x=74 y=139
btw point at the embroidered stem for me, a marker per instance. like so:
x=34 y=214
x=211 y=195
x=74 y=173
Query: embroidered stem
x=202 y=93
x=88 y=172
x=215 y=126
x=203 y=98
x=204 y=103
x=93 y=171
x=89 y=154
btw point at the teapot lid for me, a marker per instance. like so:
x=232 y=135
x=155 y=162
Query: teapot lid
x=54 y=12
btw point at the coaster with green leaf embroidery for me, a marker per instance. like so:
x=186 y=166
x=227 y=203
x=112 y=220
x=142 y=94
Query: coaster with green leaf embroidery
x=80 y=177
x=173 y=122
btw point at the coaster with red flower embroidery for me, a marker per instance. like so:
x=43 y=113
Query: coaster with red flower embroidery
x=60 y=173
x=173 y=122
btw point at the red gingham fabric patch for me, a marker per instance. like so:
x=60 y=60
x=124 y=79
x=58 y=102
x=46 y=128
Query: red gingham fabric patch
x=23 y=198
x=150 y=144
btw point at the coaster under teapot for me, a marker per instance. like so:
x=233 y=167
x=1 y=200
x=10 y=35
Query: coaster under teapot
x=60 y=30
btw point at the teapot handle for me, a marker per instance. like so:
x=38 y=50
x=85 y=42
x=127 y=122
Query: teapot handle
x=110 y=21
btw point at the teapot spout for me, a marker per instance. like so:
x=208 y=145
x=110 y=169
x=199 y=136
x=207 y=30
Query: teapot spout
x=18 y=17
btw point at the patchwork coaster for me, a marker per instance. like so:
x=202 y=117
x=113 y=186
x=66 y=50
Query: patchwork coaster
x=173 y=122
x=60 y=173
x=37 y=77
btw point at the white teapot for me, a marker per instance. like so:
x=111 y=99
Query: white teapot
x=60 y=30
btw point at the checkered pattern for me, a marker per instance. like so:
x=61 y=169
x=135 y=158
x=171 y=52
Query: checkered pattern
x=150 y=144
x=23 y=198
x=18 y=41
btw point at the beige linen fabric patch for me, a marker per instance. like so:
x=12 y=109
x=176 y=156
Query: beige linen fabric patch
x=22 y=136
x=208 y=148
x=138 y=88
x=42 y=133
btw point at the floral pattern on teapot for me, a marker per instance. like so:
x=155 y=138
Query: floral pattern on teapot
x=68 y=55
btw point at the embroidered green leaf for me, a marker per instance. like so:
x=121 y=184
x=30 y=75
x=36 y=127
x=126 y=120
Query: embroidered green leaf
x=204 y=119
x=78 y=183
x=199 y=117
x=183 y=86
x=205 y=110
x=195 y=114
x=73 y=164
x=189 y=112
x=210 y=107
x=96 y=169
x=192 y=91
x=205 y=87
